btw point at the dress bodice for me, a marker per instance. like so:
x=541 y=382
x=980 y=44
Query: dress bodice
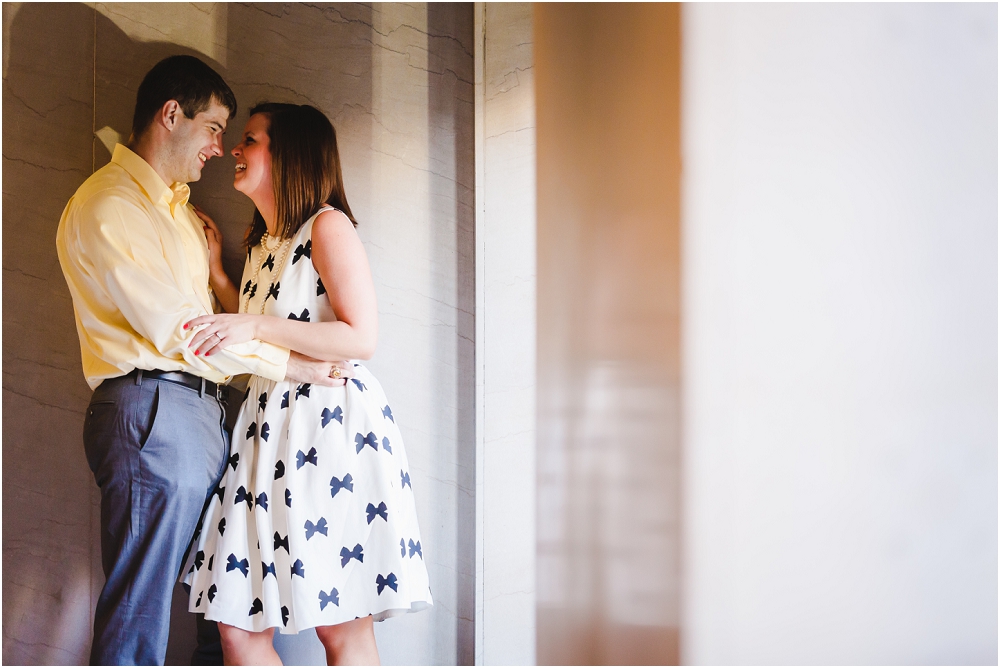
x=284 y=281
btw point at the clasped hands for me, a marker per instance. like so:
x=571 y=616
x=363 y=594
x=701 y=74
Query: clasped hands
x=226 y=329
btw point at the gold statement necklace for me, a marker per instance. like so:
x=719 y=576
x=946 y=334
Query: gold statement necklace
x=266 y=251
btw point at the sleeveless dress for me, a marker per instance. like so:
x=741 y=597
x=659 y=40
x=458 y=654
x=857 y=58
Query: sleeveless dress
x=313 y=522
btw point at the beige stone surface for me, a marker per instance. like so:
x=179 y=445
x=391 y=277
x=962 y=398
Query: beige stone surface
x=49 y=496
x=396 y=80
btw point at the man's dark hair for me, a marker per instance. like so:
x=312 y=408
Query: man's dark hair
x=189 y=81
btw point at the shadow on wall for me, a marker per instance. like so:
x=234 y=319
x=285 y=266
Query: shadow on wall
x=70 y=70
x=450 y=110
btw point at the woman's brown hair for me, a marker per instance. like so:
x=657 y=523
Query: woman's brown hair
x=305 y=168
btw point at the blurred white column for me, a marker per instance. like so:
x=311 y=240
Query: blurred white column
x=840 y=334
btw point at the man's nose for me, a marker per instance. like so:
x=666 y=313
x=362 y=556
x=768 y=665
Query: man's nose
x=217 y=146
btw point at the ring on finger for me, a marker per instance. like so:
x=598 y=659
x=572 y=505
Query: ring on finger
x=335 y=372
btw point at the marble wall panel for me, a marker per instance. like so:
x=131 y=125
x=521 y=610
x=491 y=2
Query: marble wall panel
x=48 y=492
x=396 y=80
x=505 y=247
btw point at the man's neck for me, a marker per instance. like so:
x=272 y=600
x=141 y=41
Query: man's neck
x=151 y=154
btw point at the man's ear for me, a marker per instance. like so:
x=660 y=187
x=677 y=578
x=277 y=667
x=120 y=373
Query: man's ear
x=170 y=115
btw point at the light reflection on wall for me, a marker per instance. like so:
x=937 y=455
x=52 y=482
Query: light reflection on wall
x=202 y=26
x=608 y=97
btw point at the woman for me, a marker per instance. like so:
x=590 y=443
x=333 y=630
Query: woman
x=313 y=524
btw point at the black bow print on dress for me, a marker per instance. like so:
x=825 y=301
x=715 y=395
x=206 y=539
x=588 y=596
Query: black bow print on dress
x=298 y=568
x=269 y=263
x=257 y=606
x=361 y=386
x=265 y=431
x=252 y=430
x=302 y=390
x=242 y=565
x=284 y=400
x=362 y=441
x=415 y=549
x=268 y=568
x=301 y=458
x=280 y=542
x=346 y=555
x=221 y=492
x=320 y=288
x=284 y=615
x=222 y=526
x=301 y=251
x=246 y=288
x=385 y=444
x=381 y=511
x=303 y=318
x=387 y=412
x=336 y=484
x=211 y=593
x=234 y=460
x=388 y=581
x=262 y=500
x=199 y=559
x=262 y=400
x=273 y=291
x=288 y=497
x=279 y=469
x=336 y=414
x=319 y=527
x=211 y=560
x=325 y=599
x=404 y=479
x=241 y=496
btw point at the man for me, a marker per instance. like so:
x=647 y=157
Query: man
x=136 y=261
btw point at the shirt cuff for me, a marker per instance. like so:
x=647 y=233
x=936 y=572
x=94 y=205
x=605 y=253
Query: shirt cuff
x=272 y=360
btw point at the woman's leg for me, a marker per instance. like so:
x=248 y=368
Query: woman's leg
x=350 y=643
x=248 y=648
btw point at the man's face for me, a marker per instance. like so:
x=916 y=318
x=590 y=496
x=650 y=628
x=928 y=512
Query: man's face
x=195 y=140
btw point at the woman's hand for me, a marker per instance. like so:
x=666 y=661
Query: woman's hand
x=221 y=330
x=214 y=238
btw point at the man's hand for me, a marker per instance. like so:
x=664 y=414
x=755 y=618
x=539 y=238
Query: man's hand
x=303 y=369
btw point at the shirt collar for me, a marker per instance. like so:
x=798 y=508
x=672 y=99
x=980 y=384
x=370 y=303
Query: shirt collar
x=148 y=179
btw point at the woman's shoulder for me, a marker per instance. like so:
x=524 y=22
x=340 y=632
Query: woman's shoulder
x=330 y=225
x=329 y=216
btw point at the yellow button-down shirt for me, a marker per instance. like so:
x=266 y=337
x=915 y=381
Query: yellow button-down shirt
x=136 y=262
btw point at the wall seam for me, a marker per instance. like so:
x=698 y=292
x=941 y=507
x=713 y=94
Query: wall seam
x=480 y=366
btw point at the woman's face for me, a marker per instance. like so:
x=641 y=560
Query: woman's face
x=253 y=159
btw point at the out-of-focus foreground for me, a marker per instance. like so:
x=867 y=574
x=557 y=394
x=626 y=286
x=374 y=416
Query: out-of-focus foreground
x=767 y=321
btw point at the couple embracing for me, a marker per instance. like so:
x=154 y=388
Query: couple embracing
x=306 y=520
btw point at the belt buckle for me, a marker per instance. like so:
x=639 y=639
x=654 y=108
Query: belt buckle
x=221 y=392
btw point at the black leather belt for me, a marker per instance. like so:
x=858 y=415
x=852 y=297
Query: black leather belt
x=197 y=383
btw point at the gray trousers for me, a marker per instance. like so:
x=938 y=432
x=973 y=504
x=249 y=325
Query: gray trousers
x=157 y=450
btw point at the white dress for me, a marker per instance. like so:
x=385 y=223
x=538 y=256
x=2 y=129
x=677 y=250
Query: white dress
x=313 y=523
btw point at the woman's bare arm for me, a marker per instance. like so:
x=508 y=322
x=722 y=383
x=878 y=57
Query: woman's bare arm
x=340 y=259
